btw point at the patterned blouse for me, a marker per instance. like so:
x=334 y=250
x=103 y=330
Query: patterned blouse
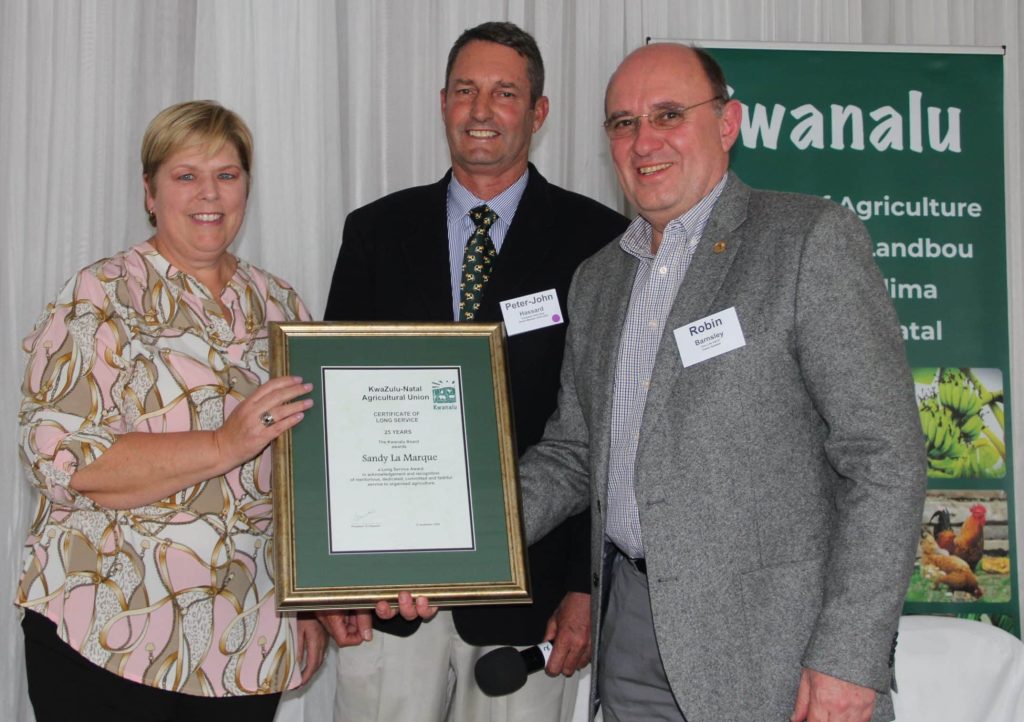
x=177 y=594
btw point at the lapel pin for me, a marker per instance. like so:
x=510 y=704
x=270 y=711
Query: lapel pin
x=718 y=247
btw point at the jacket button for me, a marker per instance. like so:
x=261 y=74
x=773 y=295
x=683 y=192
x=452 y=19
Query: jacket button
x=596 y=580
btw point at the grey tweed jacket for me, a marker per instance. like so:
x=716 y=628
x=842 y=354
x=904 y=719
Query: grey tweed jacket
x=779 y=485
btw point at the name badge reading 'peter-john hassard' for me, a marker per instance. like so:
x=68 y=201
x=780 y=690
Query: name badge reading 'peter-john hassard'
x=532 y=311
x=709 y=337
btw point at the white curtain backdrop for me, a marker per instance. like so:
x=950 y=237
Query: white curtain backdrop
x=343 y=100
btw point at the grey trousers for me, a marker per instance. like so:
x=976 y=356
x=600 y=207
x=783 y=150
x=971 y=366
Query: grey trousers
x=631 y=678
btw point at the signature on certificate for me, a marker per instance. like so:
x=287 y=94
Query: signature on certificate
x=364 y=518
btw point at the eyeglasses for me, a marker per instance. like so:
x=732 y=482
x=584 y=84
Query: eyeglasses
x=661 y=119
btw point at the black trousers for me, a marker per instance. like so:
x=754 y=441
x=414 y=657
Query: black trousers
x=63 y=685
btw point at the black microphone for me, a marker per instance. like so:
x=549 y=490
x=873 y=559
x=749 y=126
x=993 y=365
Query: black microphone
x=504 y=670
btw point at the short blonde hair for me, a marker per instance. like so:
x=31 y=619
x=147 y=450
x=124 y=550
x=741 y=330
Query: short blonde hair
x=206 y=122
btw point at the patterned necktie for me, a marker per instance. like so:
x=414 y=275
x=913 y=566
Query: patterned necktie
x=476 y=263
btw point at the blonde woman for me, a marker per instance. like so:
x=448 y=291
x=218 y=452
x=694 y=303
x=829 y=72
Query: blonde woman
x=145 y=424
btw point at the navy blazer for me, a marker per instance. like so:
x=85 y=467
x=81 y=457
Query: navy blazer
x=393 y=266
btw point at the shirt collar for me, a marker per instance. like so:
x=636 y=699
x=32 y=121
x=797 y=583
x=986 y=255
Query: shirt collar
x=461 y=200
x=184 y=281
x=636 y=241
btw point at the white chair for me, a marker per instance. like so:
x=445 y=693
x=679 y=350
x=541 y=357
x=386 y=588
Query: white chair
x=950 y=669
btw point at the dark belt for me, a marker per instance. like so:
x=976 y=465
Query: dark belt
x=612 y=550
x=639 y=564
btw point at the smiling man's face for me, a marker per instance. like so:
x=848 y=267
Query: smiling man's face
x=488 y=116
x=664 y=173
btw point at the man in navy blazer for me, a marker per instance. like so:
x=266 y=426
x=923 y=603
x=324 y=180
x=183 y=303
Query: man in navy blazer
x=401 y=260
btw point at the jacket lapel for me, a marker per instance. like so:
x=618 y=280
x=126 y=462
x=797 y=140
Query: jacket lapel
x=423 y=248
x=696 y=296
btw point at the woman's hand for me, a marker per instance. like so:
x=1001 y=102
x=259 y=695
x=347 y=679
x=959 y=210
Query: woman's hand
x=310 y=646
x=270 y=411
x=142 y=468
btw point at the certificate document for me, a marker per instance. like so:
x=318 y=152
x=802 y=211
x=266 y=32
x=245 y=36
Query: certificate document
x=397 y=465
x=402 y=475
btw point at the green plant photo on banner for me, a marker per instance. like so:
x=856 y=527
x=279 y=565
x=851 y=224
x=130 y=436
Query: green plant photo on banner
x=911 y=141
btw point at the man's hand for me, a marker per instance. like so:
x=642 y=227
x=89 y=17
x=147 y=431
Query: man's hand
x=352 y=627
x=347 y=627
x=569 y=632
x=310 y=646
x=408 y=607
x=823 y=698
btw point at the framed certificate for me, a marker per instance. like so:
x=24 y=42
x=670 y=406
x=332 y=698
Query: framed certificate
x=402 y=476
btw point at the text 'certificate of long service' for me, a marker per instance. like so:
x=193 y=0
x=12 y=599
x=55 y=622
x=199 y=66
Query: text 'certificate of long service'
x=397 y=468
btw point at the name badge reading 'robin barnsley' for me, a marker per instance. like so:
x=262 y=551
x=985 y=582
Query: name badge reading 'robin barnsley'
x=709 y=337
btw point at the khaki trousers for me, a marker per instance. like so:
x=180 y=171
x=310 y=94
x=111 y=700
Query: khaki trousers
x=428 y=677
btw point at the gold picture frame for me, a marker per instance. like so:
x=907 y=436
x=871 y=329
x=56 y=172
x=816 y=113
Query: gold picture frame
x=402 y=476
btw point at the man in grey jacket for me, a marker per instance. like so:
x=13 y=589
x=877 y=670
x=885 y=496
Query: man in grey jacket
x=737 y=410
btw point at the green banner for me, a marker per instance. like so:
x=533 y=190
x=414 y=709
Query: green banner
x=912 y=142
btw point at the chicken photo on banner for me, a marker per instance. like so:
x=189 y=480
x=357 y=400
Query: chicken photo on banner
x=962 y=416
x=963 y=555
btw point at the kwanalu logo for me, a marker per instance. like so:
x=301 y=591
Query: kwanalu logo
x=910 y=126
x=444 y=393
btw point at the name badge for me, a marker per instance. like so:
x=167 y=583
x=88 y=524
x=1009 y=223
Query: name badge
x=532 y=311
x=709 y=337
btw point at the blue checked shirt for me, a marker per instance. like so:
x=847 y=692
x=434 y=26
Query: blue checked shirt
x=654 y=291
x=461 y=226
